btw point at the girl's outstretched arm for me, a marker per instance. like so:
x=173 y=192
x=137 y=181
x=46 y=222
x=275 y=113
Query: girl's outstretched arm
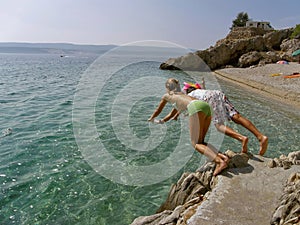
x=171 y=115
x=158 y=110
x=175 y=117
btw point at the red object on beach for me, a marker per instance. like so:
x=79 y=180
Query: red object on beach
x=282 y=62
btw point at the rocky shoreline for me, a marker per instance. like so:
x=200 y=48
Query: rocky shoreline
x=253 y=190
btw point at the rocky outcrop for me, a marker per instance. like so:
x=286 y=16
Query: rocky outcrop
x=286 y=162
x=244 y=33
x=260 y=58
x=190 y=62
x=237 y=48
x=200 y=198
x=288 y=211
x=274 y=39
x=288 y=46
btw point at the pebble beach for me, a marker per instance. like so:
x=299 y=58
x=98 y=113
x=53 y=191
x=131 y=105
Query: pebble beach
x=268 y=80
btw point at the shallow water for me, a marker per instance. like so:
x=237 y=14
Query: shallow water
x=46 y=178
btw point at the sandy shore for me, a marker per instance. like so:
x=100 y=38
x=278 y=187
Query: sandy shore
x=268 y=80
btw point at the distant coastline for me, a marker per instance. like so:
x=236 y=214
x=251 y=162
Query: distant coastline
x=63 y=49
x=54 y=48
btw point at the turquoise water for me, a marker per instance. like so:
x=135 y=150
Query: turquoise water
x=45 y=177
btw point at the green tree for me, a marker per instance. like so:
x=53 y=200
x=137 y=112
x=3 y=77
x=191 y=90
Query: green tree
x=240 y=20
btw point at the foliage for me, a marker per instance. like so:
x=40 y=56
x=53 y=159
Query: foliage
x=296 y=31
x=240 y=20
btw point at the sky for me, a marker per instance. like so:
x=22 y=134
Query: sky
x=196 y=24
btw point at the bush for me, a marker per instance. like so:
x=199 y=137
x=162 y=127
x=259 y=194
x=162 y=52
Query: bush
x=296 y=31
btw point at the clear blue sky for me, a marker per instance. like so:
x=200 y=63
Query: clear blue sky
x=191 y=23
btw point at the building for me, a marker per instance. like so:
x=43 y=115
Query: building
x=263 y=25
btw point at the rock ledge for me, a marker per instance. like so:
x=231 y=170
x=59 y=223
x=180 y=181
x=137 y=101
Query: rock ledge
x=253 y=190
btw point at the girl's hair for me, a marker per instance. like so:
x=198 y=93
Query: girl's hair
x=173 y=85
x=190 y=89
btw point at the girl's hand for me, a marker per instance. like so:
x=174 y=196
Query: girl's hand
x=151 y=120
x=159 y=121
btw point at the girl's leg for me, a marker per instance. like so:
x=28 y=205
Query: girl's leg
x=263 y=140
x=232 y=133
x=199 y=124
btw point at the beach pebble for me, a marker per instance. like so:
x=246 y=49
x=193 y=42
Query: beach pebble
x=286 y=164
x=271 y=163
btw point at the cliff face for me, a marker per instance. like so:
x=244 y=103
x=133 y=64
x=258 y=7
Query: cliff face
x=242 y=47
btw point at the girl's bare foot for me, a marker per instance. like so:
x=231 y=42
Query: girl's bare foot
x=224 y=157
x=263 y=145
x=221 y=163
x=245 y=144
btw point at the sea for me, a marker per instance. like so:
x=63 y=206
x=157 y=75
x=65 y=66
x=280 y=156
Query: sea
x=76 y=146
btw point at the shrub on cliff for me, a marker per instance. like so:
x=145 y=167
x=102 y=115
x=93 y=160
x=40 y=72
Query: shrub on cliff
x=296 y=31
